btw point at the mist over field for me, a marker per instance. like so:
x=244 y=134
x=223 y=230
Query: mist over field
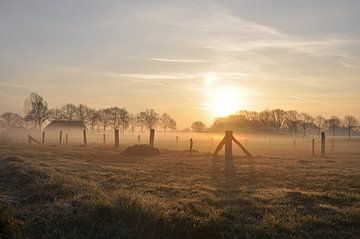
x=179 y=119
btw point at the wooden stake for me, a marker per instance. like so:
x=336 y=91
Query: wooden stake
x=323 y=144
x=43 y=137
x=294 y=144
x=84 y=136
x=228 y=144
x=116 y=138
x=29 y=139
x=333 y=145
x=152 y=137
x=104 y=138
x=191 y=146
x=138 y=139
x=60 y=137
x=177 y=140
x=313 y=147
x=66 y=138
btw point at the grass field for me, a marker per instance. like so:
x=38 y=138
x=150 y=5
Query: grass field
x=94 y=192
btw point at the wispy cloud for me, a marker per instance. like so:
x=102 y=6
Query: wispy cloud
x=174 y=60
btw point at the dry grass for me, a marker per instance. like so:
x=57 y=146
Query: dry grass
x=78 y=192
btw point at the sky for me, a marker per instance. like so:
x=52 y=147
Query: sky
x=194 y=59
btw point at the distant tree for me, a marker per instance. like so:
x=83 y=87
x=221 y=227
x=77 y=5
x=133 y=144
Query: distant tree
x=104 y=118
x=334 y=123
x=277 y=118
x=93 y=117
x=69 y=111
x=36 y=109
x=151 y=118
x=82 y=113
x=114 y=117
x=320 y=123
x=167 y=122
x=198 y=126
x=140 y=121
x=350 y=123
x=306 y=121
x=292 y=121
x=12 y=119
x=124 y=118
x=55 y=114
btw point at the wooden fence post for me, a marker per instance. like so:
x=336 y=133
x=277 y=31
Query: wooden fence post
x=60 y=137
x=228 y=144
x=138 y=139
x=116 y=138
x=294 y=144
x=66 y=138
x=43 y=137
x=323 y=144
x=84 y=136
x=152 y=137
x=191 y=146
x=104 y=138
x=29 y=139
x=313 y=147
x=270 y=143
x=177 y=140
x=332 y=145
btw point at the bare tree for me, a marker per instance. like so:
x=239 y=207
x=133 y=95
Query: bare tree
x=320 y=123
x=104 y=118
x=277 y=118
x=350 y=123
x=306 y=121
x=150 y=118
x=198 y=126
x=114 y=117
x=55 y=114
x=140 y=121
x=124 y=118
x=292 y=121
x=82 y=113
x=93 y=117
x=167 y=122
x=36 y=109
x=69 y=111
x=12 y=119
x=334 y=123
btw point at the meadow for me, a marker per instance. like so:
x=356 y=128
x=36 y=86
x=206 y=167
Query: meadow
x=73 y=191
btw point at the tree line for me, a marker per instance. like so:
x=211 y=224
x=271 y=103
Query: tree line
x=37 y=113
x=281 y=121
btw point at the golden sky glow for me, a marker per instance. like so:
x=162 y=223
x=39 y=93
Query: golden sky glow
x=195 y=60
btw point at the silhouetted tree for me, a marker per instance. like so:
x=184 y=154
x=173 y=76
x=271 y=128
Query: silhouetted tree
x=104 y=118
x=334 y=123
x=124 y=118
x=36 y=109
x=198 y=126
x=69 y=111
x=140 y=121
x=277 y=118
x=320 y=123
x=93 y=117
x=55 y=114
x=151 y=118
x=350 y=123
x=292 y=121
x=12 y=119
x=167 y=122
x=82 y=113
x=114 y=117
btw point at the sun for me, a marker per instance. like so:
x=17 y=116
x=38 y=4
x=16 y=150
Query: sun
x=224 y=101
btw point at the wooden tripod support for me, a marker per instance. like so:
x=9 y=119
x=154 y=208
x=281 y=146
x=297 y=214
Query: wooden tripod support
x=227 y=141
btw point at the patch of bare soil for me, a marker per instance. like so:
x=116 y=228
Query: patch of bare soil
x=141 y=150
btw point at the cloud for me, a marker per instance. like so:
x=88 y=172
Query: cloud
x=178 y=60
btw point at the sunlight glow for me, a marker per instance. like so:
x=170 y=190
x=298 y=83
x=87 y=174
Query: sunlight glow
x=225 y=101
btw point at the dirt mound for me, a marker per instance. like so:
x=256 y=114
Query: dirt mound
x=141 y=150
